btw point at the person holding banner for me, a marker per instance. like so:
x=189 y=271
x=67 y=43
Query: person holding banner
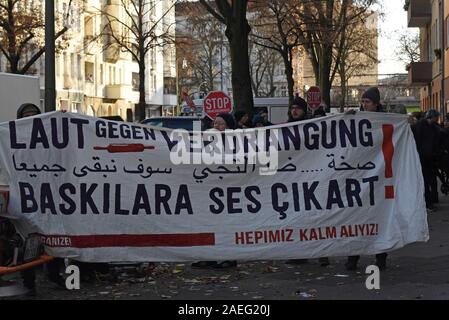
x=298 y=112
x=370 y=103
x=29 y=275
x=223 y=121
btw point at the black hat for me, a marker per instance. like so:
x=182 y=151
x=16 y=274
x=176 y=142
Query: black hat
x=228 y=118
x=238 y=115
x=26 y=106
x=432 y=113
x=300 y=102
x=373 y=94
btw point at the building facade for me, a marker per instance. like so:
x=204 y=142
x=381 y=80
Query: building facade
x=432 y=71
x=96 y=80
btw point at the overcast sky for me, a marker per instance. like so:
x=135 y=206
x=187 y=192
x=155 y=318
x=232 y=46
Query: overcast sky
x=391 y=26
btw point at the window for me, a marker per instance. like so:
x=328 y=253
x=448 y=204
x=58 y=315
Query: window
x=446 y=38
x=65 y=63
x=78 y=67
x=75 y=107
x=101 y=74
x=89 y=72
x=57 y=67
x=135 y=81
x=283 y=91
x=41 y=65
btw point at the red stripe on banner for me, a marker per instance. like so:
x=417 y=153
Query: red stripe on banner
x=388 y=149
x=389 y=192
x=127 y=240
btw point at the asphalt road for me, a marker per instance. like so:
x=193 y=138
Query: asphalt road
x=418 y=271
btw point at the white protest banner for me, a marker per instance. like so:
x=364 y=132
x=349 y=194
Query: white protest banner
x=105 y=191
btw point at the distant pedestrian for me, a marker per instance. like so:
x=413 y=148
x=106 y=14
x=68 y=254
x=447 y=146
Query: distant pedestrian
x=427 y=137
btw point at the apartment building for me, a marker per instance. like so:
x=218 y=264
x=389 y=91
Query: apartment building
x=432 y=71
x=99 y=80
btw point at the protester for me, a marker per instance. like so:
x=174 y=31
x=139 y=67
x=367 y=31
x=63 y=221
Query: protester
x=264 y=114
x=298 y=110
x=242 y=119
x=318 y=113
x=29 y=275
x=223 y=121
x=427 y=137
x=370 y=103
x=258 y=121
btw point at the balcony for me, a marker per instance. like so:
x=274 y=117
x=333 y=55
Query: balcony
x=420 y=73
x=419 y=13
x=118 y=91
x=170 y=100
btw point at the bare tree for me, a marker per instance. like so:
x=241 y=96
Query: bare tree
x=408 y=49
x=201 y=47
x=22 y=32
x=134 y=28
x=276 y=28
x=323 y=23
x=358 y=52
x=232 y=13
x=264 y=62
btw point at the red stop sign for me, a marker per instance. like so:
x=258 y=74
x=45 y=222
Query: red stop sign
x=217 y=102
x=314 y=98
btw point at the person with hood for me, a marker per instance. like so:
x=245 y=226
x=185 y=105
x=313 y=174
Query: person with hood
x=370 y=103
x=427 y=135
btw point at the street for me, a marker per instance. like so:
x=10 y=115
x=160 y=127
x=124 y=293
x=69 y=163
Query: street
x=417 y=271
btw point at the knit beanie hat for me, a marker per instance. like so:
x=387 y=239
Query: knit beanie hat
x=373 y=94
x=300 y=102
x=228 y=118
x=25 y=107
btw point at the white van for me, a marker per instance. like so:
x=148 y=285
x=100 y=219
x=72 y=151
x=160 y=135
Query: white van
x=16 y=90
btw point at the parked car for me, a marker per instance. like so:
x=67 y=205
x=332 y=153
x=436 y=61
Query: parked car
x=173 y=122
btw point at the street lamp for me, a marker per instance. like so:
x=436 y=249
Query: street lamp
x=50 y=82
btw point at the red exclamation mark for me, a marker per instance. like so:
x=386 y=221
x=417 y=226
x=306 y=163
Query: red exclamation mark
x=388 y=151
